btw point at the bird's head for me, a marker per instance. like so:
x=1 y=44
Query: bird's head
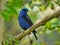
x=24 y=11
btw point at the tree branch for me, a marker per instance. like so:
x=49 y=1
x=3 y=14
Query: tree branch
x=41 y=22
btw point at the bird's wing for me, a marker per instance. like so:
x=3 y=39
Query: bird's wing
x=27 y=19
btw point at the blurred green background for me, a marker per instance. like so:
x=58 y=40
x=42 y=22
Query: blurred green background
x=49 y=34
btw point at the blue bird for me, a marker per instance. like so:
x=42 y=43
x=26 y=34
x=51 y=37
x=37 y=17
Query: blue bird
x=24 y=20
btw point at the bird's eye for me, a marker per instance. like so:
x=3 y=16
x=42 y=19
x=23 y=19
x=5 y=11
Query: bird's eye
x=24 y=10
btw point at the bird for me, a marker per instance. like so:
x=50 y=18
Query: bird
x=25 y=21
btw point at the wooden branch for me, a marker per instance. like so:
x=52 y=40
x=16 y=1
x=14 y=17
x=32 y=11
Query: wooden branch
x=41 y=22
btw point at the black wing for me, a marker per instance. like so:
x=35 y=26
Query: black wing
x=27 y=19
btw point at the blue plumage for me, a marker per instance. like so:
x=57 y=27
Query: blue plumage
x=23 y=23
x=24 y=20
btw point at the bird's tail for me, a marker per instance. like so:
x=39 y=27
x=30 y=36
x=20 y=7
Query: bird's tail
x=34 y=32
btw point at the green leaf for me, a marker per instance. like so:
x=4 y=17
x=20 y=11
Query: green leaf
x=18 y=3
x=58 y=2
x=53 y=23
x=59 y=29
x=48 y=24
x=6 y=16
x=8 y=13
x=11 y=9
x=51 y=6
x=42 y=8
x=15 y=3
